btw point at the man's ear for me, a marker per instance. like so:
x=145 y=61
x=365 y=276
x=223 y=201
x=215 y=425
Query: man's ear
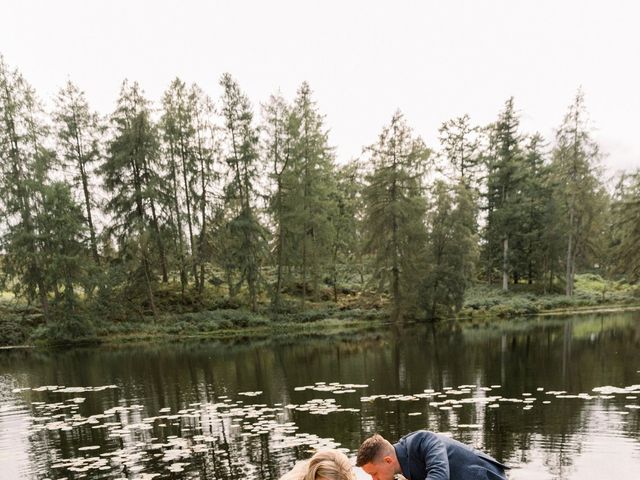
x=387 y=459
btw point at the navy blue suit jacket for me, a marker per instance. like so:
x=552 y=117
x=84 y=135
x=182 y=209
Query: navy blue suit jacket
x=425 y=455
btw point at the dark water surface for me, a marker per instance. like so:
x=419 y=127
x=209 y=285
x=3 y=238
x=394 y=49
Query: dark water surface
x=554 y=398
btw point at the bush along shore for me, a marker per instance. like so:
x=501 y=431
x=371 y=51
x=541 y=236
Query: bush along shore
x=23 y=325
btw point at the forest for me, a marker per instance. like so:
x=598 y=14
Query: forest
x=193 y=204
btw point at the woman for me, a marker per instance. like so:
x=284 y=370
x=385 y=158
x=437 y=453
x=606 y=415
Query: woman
x=325 y=465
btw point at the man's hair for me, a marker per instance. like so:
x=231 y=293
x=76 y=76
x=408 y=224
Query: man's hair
x=373 y=449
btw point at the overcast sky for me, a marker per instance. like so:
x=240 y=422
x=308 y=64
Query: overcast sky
x=363 y=59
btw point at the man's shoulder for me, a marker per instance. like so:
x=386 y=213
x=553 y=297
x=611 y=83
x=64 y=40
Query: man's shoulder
x=417 y=438
x=418 y=434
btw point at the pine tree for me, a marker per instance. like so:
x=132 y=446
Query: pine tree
x=575 y=158
x=535 y=194
x=451 y=249
x=505 y=176
x=206 y=152
x=395 y=212
x=246 y=237
x=277 y=147
x=178 y=132
x=79 y=136
x=311 y=200
x=131 y=177
x=24 y=165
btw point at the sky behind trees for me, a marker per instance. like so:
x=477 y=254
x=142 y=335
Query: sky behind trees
x=363 y=60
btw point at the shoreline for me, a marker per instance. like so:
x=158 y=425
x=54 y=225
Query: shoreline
x=324 y=327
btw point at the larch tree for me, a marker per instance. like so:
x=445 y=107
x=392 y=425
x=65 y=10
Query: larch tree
x=459 y=142
x=206 y=151
x=25 y=162
x=131 y=177
x=311 y=198
x=79 y=133
x=277 y=153
x=245 y=248
x=575 y=166
x=395 y=210
x=177 y=134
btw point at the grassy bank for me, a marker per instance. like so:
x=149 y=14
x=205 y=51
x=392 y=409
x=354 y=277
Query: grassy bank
x=591 y=291
x=23 y=325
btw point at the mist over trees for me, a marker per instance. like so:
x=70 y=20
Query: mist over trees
x=240 y=205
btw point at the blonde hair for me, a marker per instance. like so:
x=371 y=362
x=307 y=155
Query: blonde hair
x=324 y=465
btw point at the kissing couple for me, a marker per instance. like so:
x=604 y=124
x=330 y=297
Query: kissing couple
x=421 y=455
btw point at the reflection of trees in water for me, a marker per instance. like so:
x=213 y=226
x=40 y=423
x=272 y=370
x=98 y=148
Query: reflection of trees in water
x=554 y=354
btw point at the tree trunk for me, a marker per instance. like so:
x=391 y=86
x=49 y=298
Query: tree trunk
x=176 y=206
x=92 y=230
x=194 y=265
x=505 y=264
x=569 y=276
x=203 y=214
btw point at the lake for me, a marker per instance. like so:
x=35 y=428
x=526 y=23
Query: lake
x=554 y=398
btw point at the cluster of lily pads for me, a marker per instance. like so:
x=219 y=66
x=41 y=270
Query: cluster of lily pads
x=218 y=435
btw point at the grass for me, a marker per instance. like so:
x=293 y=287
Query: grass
x=218 y=317
x=590 y=291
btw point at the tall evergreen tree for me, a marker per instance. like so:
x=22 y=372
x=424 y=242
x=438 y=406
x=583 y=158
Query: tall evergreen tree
x=575 y=158
x=178 y=132
x=311 y=200
x=246 y=237
x=131 y=178
x=505 y=175
x=79 y=135
x=451 y=249
x=535 y=194
x=206 y=152
x=277 y=148
x=24 y=165
x=395 y=212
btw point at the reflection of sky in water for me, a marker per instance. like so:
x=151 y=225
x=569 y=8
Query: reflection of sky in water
x=540 y=402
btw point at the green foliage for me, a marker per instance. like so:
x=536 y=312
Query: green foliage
x=395 y=207
x=24 y=165
x=78 y=132
x=206 y=215
x=579 y=193
x=245 y=246
x=69 y=329
x=504 y=161
x=450 y=253
x=305 y=204
x=625 y=228
x=131 y=177
x=590 y=290
x=460 y=146
x=14 y=329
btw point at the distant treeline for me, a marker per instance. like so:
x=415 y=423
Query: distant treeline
x=101 y=214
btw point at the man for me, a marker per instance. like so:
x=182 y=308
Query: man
x=424 y=455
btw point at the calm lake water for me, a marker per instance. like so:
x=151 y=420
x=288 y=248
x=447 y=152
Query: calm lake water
x=554 y=398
